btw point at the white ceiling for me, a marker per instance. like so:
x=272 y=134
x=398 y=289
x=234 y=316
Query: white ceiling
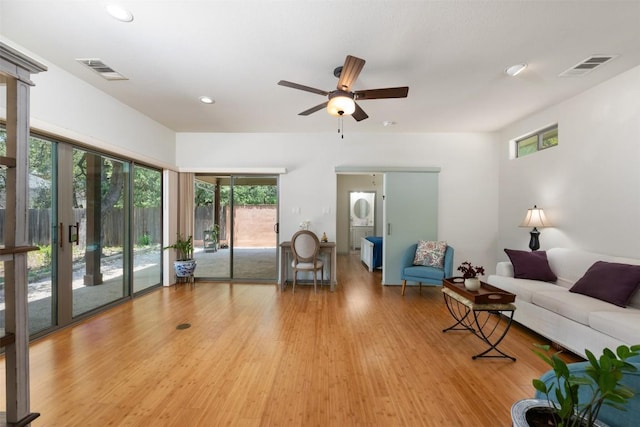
x=452 y=55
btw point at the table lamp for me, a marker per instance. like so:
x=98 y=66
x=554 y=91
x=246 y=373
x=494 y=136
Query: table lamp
x=535 y=218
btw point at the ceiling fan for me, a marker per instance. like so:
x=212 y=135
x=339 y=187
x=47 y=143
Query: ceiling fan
x=341 y=102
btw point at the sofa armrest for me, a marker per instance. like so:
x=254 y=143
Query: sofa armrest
x=504 y=268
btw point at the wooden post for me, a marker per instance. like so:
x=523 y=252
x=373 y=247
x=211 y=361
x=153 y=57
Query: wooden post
x=93 y=252
x=16 y=68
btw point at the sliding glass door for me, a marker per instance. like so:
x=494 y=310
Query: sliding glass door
x=95 y=228
x=255 y=217
x=236 y=227
x=97 y=225
x=42 y=264
x=147 y=228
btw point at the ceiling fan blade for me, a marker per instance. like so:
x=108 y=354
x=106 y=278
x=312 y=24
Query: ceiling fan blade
x=314 y=109
x=359 y=114
x=302 y=87
x=350 y=72
x=390 y=92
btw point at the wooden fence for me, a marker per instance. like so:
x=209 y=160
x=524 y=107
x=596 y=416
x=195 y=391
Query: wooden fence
x=146 y=221
x=254 y=225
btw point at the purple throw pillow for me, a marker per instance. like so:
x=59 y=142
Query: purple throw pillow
x=609 y=281
x=531 y=265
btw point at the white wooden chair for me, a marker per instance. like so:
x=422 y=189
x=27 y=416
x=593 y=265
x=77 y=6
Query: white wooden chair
x=305 y=247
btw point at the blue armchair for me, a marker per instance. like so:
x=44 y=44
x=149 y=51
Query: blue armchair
x=611 y=416
x=421 y=274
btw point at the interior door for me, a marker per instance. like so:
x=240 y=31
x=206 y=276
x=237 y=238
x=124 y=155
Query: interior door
x=410 y=213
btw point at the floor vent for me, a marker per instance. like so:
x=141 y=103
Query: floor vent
x=101 y=68
x=586 y=66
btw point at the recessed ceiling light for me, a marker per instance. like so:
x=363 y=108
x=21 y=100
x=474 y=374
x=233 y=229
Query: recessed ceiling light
x=206 y=100
x=120 y=13
x=516 y=69
x=388 y=123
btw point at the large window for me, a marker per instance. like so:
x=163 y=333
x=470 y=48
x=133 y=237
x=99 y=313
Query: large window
x=540 y=140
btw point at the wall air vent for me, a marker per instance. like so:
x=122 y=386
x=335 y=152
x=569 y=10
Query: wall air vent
x=101 y=68
x=587 y=65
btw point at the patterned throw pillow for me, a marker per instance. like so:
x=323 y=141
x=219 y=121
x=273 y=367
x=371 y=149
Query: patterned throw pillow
x=430 y=253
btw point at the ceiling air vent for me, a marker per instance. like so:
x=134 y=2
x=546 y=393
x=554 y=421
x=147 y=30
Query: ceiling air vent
x=587 y=65
x=101 y=68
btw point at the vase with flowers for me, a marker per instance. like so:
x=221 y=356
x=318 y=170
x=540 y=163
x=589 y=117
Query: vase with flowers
x=470 y=275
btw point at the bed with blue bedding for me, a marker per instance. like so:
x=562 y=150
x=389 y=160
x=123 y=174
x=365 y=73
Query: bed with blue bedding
x=371 y=252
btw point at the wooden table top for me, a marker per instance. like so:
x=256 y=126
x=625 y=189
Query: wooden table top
x=487 y=294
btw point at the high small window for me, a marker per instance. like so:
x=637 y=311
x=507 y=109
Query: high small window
x=540 y=140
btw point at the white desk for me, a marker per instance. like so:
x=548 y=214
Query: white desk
x=286 y=258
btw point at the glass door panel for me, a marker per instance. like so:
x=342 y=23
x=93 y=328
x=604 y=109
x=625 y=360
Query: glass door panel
x=255 y=215
x=211 y=227
x=97 y=233
x=147 y=228
x=42 y=264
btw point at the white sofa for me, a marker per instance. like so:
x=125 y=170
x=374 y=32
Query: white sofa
x=574 y=321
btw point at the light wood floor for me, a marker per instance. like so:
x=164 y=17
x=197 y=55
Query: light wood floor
x=362 y=356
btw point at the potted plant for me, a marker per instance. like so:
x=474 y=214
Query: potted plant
x=184 y=264
x=563 y=406
x=210 y=238
x=470 y=275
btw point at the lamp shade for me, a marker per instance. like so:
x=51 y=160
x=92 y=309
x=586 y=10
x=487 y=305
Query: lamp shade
x=535 y=218
x=341 y=104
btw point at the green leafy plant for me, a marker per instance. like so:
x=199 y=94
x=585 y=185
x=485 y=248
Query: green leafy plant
x=603 y=377
x=145 y=239
x=183 y=247
x=215 y=231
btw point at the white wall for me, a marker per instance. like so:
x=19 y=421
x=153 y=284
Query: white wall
x=68 y=107
x=589 y=185
x=468 y=179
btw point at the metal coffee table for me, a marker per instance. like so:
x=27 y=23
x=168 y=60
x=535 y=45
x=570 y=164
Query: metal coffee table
x=487 y=313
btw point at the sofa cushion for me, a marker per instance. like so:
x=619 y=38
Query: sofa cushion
x=531 y=265
x=576 y=307
x=622 y=325
x=609 y=281
x=523 y=288
x=430 y=253
x=571 y=264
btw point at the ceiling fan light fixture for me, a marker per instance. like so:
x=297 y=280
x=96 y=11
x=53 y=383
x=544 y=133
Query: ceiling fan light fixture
x=514 y=70
x=341 y=103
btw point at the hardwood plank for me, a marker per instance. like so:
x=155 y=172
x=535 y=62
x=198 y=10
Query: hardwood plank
x=253 y=356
